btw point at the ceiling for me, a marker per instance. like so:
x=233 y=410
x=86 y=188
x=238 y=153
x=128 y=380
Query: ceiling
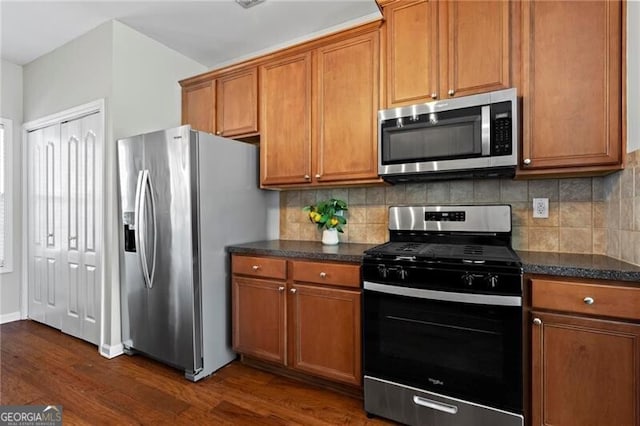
x=211 y=32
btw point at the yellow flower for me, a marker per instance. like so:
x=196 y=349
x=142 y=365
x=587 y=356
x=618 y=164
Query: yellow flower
x=333 y=221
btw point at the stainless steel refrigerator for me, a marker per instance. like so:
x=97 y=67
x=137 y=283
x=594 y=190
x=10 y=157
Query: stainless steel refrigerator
x=184 y=196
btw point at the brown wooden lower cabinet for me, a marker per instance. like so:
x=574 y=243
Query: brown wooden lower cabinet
x=585 y=371
x=325 y=332
x=310 y=326
x=259 y=318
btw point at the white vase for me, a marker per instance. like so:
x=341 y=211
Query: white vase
x=330 y=237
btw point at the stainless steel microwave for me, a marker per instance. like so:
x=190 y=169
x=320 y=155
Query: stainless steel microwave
x=471 y=136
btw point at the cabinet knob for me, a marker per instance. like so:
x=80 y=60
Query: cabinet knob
x=527 y=161
x=255 y=267
x=218 y=133
x=293 y=290
x=434 y=95
x=451 y=92
x=537 y=321
x=281 y=288
x=318 y=175
x=323 y=275
x=307 y=177
x=588 y=300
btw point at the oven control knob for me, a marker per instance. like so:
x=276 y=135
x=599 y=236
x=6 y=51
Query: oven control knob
x=492 y=280
x=402 y=273
x=383 y=271
x=468 y=279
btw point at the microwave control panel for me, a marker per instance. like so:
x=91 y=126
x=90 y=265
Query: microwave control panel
x=502 y=133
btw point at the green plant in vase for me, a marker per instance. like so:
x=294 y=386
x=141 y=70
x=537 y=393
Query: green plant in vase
x=328 y=215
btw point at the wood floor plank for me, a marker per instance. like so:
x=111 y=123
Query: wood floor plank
x=41 y=366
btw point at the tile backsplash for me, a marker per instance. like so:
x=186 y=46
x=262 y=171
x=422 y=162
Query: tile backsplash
x=598 y=215
x=622 y=196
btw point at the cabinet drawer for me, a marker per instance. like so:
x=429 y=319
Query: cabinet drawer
x=264 y=267
x=595 y=299
x=346 y=275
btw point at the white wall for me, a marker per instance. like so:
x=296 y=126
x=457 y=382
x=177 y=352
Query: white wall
x=633 y=76
x=74 y=74
x=11 y=107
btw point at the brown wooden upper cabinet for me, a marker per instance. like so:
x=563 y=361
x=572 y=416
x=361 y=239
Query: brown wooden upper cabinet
x=443 y=49
x=224 y=104
x=237 y=103
x=318 y=115
x=572 y=87
x=199 y=105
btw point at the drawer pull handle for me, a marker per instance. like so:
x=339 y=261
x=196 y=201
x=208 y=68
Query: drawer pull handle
x=255 y=267
x=537 y=321
x=281 y=288
x=293 y=290
x=589 y=300
x=435 y=405
x=323 y=275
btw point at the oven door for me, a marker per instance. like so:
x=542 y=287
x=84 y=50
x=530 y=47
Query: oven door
x=459 y=346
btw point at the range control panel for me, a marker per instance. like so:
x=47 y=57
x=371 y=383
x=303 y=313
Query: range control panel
x=445 y=216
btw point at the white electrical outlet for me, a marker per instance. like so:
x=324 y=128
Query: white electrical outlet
x=541 y=208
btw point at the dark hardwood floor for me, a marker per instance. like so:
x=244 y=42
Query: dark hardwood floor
x=42 y=366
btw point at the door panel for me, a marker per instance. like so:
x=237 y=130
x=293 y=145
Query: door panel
x=347 y=92
x=259 y=318
x=81 y=144
x=572 y=84
x=158 y=317
x=478 y=47
x=412 y=61
x=323 y=319
x=585 y=371
x=285 y=126
x=46 y=278
x=237 y=103
x=199 y=106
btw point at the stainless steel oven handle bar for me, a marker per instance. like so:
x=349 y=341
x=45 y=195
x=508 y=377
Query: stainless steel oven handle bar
x=435 y=405
x=478 y=299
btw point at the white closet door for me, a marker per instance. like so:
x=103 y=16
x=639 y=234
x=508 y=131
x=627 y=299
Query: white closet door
x=81 y=216
x=46 y=282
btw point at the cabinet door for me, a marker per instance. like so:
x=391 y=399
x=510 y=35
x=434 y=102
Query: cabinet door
x=259 y=318
x=285 y=121
x=572 y=85
x=477 y=35
x=585 y=372
x=412 y=49
x=325 y=332
x=237 y=104
x=199 y=106
x=347 y=92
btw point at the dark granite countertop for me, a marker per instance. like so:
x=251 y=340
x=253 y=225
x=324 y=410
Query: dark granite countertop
x=559 y=264
x=579 y=266
x=344 y=252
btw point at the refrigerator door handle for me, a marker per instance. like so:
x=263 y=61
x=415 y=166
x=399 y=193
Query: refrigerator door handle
x=138 y=222
x=142 y=227
x=152 y=197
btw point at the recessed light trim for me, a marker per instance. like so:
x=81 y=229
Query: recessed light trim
x=249 y=3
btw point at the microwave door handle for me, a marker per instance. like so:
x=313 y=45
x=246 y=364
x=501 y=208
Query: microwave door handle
x=486 y=130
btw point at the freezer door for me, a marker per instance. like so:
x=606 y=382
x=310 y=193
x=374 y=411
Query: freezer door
x=159 y=290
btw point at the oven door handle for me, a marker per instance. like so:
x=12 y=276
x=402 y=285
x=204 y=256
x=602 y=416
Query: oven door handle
x=446 y=296
x=435 y=405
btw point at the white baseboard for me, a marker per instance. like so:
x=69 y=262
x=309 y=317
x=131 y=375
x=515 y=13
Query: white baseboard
x=111 y=351
x=13 y=316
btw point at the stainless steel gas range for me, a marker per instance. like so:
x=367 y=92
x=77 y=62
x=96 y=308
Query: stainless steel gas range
x=443 y=319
